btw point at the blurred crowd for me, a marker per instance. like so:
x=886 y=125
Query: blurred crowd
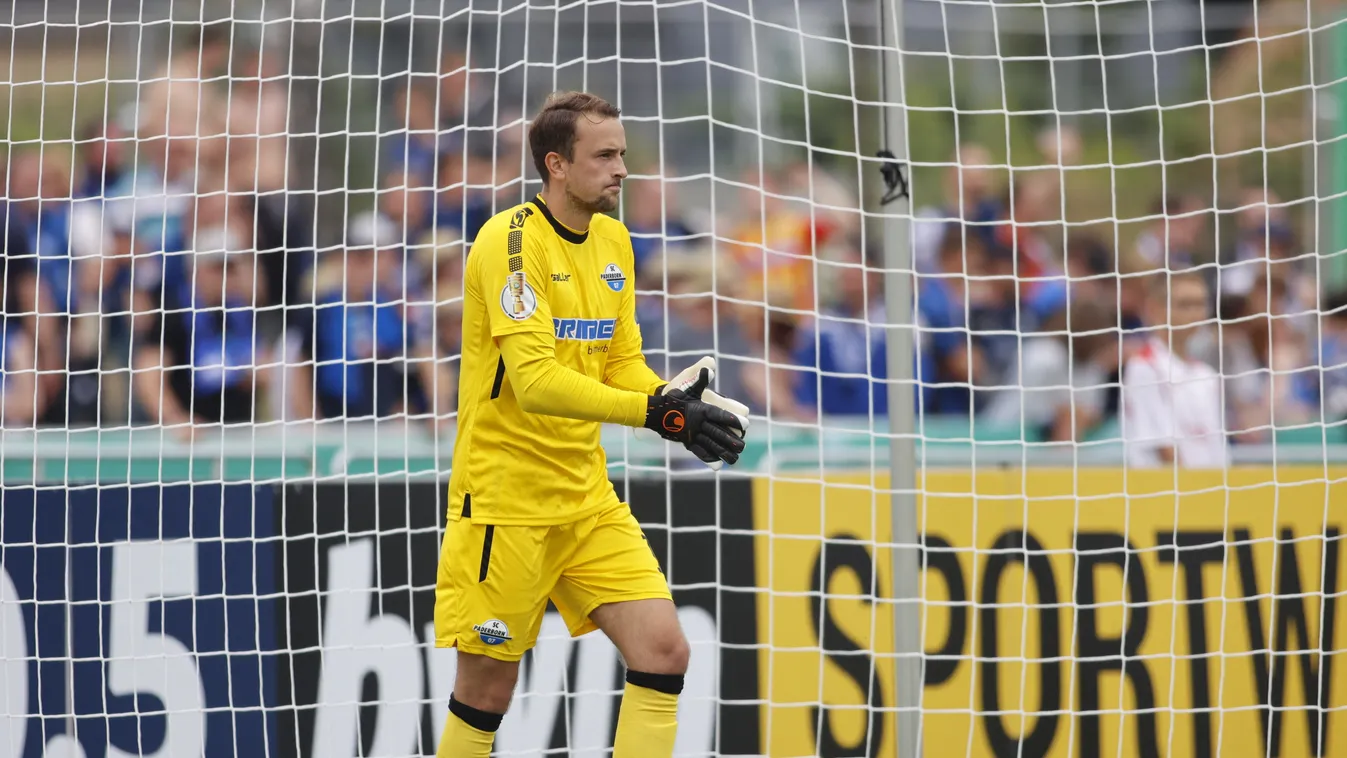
x=163 y=272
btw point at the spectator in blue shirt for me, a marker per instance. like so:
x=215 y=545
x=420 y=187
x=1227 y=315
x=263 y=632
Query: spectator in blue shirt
x=656 y=223
x=358 y=336
x=21 y=396
x=951 y=362
x=410 y=148
x=102 y=152
x=465 y=192
x=199 y=364
x=846 y=347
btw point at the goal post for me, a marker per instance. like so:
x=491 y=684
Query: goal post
x=907 y=624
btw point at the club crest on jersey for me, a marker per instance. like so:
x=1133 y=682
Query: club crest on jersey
x=493 y=632
x=613 y=277
x=517 y=298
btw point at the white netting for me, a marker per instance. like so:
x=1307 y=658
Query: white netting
x=235 y=238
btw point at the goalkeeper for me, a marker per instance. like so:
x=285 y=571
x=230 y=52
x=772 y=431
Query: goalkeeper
x=551 y=350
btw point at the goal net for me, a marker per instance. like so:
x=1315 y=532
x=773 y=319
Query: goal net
x=1040 y=310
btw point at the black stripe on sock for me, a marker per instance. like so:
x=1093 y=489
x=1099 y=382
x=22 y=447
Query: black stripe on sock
x=479 y=720
x=669 y=684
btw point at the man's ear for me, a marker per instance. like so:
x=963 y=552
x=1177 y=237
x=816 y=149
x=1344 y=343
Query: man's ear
x=556 y=165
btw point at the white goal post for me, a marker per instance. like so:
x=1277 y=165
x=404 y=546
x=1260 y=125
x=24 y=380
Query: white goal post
x=1040 y=310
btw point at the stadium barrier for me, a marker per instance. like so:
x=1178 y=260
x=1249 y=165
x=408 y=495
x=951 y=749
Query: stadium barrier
x=295 y=621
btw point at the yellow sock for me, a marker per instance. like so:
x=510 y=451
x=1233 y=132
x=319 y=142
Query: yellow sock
x=463 y=741
x=648 y=721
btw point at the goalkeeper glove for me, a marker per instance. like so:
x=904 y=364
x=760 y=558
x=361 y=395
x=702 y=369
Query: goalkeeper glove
x=679 y=415
x=686 y=379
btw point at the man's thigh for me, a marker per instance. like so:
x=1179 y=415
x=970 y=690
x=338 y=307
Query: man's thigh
x=492 y=588
x=609 y=561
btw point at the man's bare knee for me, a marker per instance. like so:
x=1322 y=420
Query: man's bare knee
x=485 y=683
x=648 y=635
x=670 y=653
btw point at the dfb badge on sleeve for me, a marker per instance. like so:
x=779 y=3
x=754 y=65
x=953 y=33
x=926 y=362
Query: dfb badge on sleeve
x=517 y=299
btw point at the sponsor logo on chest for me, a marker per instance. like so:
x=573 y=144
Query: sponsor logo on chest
x=584 y=329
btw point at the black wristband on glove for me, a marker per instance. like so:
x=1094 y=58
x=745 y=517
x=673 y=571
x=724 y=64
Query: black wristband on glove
x=679 y=416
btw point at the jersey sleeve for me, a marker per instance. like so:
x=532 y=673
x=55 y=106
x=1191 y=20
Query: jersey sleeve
x=626 y=368
x=511 y=269
x=542 y=385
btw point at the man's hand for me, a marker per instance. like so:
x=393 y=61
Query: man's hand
x=679 y=415
x=686 y=380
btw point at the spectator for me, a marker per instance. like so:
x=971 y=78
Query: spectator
x=66 y=290
x=22 y=397
x=259 y=116
x=656 y=224
x=774 y=242
x=997 y=322
x=768 y=377
x=438 y=358
x=461 y=104
x=970 y=197
x=1265 y=368
x=1039 y=192
x=410 y=149
x=1062 y=388
x=1264 y=243
x=950 y=362
x=696 y=323
x=1091 y=270
x=409 y=202
x=1171 y=240
x=1333 y=358
x=464 y=198
x=846 y=347
x=1172 y=410
x=358 y=338
x=102 y=158
x=202 y=364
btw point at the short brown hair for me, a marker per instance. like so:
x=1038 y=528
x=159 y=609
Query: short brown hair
x=553 y=129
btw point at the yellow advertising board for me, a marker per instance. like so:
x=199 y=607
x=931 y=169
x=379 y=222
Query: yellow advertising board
x=1068 y=612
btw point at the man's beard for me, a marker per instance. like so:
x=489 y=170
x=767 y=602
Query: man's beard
x=602 y=204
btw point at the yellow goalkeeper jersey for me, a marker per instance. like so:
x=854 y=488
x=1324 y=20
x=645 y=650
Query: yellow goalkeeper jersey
x=551 y=350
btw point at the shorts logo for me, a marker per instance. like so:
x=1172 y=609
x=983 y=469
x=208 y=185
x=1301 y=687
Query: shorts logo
x=517 y=299
x=493 y=632
x=674 y=422
x=613 y=277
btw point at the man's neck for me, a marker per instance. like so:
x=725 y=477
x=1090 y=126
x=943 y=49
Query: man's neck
x=573 y=218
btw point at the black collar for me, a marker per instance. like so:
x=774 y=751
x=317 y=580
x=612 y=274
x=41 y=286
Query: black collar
x=557 y=226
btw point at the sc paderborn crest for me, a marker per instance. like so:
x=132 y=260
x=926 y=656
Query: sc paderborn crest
x=613 y=277
x=493 y=632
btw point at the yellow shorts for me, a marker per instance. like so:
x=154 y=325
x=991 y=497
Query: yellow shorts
x=494 y=581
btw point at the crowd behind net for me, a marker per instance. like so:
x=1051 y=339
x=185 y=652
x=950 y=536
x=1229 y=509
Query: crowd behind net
x=235 y=236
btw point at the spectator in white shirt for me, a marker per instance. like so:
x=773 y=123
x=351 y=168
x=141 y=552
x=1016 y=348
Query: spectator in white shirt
x=1172 y=408
x=1064 y=375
